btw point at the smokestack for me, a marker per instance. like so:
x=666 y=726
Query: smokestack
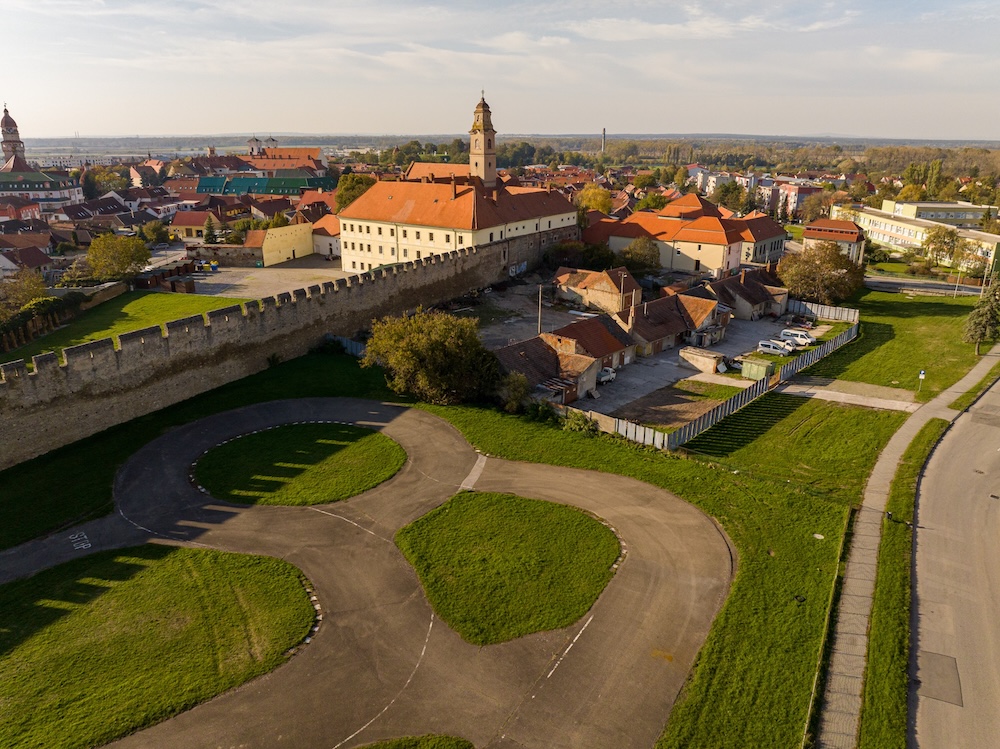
x=604 y=138
x=454 y=191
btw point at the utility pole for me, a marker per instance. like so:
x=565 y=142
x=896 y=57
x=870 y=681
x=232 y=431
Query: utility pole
x=959 y=281
x=539 y=309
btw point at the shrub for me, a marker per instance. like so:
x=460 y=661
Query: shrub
x=577 y=421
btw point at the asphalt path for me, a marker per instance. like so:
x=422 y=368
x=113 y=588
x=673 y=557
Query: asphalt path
x=381 y=665
x=956 y=607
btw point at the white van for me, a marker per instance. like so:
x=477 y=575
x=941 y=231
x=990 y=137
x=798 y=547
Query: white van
x=771 y=347
x=798 y=337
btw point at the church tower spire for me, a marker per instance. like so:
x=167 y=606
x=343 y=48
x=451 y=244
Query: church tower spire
x=12 y=143
x=482 y=145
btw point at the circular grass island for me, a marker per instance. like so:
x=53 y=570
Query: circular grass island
x=299 y=464
x=114 y=642
x=496 y=567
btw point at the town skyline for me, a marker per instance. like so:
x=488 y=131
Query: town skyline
x=902 y=72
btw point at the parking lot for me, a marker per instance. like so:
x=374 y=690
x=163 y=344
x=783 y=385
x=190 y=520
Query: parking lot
x=256 y=283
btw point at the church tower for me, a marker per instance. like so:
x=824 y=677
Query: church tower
x=482 y=146
x=12 y=143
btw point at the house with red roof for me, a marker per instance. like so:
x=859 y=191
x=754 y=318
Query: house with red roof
x=751 y=294
x=846 y=234
x=326 y=236
x=598 y=337
x=609 y=290
x=561 y=376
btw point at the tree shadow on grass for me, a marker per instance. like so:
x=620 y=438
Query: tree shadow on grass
x=872 y=336
x=745 y=426
x=29 y=606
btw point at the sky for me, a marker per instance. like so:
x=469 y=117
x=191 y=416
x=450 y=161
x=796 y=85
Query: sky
x=867 y=68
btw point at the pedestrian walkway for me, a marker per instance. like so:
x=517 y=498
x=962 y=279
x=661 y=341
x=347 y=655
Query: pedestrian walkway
x=841 y=712
x=851 y=399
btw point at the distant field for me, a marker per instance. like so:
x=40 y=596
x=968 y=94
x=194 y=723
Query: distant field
x=132 y=310
x=900 y=336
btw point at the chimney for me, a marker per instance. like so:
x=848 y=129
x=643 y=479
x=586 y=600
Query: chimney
x=631 y=318
x=454 y=190
x=743 y=276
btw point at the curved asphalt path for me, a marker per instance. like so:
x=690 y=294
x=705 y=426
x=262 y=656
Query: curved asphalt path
x=381 y=665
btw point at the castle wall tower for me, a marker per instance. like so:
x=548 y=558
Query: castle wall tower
x=12 y=143
x=482 y=146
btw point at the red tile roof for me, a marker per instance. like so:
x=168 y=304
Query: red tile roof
x=619 y=278
x=328 y=226
x=835 y=230
x=597 y=336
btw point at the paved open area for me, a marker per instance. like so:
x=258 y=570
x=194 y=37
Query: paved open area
x=381 y=664
x=256 y=283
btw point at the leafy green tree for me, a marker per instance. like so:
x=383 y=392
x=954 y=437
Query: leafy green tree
x=813 y=207
x=821 y=273
x=350 y=187
x=643 y=181
x=911 y=193
x=653 y=201
x=983 y=322
x=641 y=254
x=593 y=197
x=729 y=194
x=942 y=243
x=18 y=290
x=279 y=220
x=155 y=232
x=433 y=356
x=209 y=235
x=112 y=257
x=681 y=177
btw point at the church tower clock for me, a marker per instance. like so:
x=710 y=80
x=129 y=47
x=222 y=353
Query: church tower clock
x=12 y=144
x=482 y=146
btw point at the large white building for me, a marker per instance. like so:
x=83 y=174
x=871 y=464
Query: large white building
x=403 y=221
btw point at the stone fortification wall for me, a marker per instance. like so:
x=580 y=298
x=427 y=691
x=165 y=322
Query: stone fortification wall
x=101 y=385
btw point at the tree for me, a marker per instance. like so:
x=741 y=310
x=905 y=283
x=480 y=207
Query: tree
x=155 y=232
x=912 y=193
x=813 y=207
x=643 y=181
x=593 y=197
x=983 y=322
x=19 y=289
x=653 y=201
x=729 y=194
x=350 y=187
x=279 y=220
x=942 y=243
x=433 y=356
x=113 y=257
x=209 y=233
x=641 y=254
x=681 y=177
x=821 y=273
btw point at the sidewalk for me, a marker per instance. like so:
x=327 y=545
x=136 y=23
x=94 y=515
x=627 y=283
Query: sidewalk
x=841 y=712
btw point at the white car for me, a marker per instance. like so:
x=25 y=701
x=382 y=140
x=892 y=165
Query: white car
x=798 y=337
x=606 y=375
x=771 y=347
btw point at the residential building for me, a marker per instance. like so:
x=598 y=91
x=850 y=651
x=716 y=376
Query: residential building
x=751 y=295
x=562 y=377
x=396 y=222
x=960 y=214
x=598 y=337
x=19 y=209
x=326 y=236
x=609 y=290
x=848 y=235
x=674 y=319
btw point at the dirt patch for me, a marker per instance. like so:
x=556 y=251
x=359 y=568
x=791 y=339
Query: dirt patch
x=667 y=408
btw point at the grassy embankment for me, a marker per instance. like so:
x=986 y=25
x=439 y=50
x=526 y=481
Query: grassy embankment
x=497 y=566
x=133 y=310
x=884 y=712
x=899 y=337
x=105 y=645
x=965 y=400
x=299 y=464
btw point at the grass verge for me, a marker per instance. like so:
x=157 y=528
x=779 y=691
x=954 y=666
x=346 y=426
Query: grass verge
x=899 y=337
x=707 y=390
x=299 y=464
x=105 y=645
x=886 y=691
x=73 y=483
x=133 y=310
x=497 y=566
x=789 y=468
x=422 y=742
x=965 y=400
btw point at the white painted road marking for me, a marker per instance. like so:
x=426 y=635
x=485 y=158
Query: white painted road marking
x=569 y=647
x=474 y=474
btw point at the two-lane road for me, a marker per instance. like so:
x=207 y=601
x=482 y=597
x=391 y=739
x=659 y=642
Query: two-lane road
x=956 y=612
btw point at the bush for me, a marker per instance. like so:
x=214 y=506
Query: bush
x=514 y=391
x=541 y=412
x=577 y=421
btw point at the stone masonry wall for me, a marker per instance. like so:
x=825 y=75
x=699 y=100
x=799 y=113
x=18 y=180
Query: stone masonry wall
x=100 y=385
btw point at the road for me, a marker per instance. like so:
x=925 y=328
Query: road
x=918 y=284
x=956 y=607
x=381 y=665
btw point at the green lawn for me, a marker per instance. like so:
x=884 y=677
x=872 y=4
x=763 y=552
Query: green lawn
x=899 y=337
x=105 y=645
x=422 y=742
x=497 y=566
x=796 y=230
x=768 y=488
x=706 y=390
x=893 y=268
x=73 y=483
x=884 y=711
x=965 y=400
x=299 y=464
x=132 y=310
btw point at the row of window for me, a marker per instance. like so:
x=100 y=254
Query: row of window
x=361 y=247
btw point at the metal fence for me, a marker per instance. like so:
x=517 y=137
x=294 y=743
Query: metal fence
x=354 y=348
x=647 y=436
x=823 y=311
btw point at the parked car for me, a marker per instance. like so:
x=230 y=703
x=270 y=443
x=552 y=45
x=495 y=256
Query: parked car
x=772 y=347
x=798 y=337
x=606 y=375
x=789 y=346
